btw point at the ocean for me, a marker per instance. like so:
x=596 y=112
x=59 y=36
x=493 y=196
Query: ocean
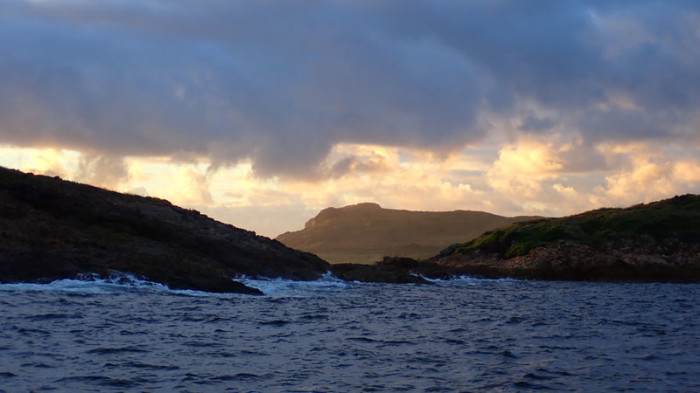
x=462 y=335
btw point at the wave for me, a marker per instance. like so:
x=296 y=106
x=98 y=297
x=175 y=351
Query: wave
x=121 y=282
x=87 y=284
x=94 y=284
x=469 y=280
x=280 y=287
x=277 y=287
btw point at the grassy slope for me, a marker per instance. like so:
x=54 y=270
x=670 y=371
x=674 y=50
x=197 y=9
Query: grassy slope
x=365 y=233
x=676 y=218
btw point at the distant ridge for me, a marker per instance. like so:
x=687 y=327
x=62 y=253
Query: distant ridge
x=366 y=232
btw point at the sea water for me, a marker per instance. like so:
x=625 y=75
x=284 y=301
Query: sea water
x=463 y=335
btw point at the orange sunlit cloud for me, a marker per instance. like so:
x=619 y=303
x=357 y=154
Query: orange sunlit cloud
x=525 y=177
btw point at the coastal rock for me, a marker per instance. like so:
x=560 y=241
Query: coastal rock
x=53 y=229
x=374 y=273
x=396 y=270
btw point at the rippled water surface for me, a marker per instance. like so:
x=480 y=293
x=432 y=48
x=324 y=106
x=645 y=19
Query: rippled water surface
x=327 y=336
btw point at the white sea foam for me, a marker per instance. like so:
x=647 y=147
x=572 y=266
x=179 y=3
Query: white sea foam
x=120 y=282
x=280 y=287
x=93 y=284
x=89 y=284
x=459 y=279
x=469 y=280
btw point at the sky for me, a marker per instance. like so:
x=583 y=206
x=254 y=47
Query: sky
x=262 y=113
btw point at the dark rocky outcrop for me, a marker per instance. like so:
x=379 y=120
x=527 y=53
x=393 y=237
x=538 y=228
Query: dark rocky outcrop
x=656 y=242
x=52 y=229
x=391 y=270
x=366 y=232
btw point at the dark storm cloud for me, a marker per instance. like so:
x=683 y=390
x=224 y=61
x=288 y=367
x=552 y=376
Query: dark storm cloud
x=281 y=82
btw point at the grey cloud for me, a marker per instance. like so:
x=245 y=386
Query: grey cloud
x=535 y=124
x=584 y=159
x=354 y=164
x=281 y=82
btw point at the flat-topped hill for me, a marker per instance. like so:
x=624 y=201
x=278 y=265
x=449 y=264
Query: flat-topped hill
x=366 y=232
x=53 y=229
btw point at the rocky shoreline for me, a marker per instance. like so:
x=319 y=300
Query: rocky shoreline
x=577 y=262
x=556 y=263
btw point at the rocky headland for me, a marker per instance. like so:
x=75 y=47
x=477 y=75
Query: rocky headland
x=652 y=242
x=54 y=229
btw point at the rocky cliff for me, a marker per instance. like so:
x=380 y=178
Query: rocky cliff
x=52 y=229
x=365 y=233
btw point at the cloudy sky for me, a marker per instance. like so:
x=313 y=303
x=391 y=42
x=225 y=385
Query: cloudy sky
x=261 y=113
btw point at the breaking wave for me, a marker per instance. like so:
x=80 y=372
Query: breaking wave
x=120 y=282
x=280 y=287
x=89 y=284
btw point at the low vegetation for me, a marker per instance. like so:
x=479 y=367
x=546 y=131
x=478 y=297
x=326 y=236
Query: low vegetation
x=675 y=220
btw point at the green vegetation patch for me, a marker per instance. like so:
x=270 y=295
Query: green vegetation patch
x=677 y=218
x=517 y=239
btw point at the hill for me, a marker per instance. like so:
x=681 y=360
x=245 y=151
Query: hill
x=53 y=229
x=365 y=233
x=655 y=241
x=658 y=241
